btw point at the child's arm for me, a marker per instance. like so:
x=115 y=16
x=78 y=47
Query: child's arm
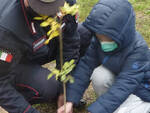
x=82 y=74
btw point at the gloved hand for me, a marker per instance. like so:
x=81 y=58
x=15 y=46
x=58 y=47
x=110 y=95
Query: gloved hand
x=71 y=2
x=70 y=24
x=63 y=74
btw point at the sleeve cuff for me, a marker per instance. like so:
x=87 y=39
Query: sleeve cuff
x=96 y=108
x=74 y=97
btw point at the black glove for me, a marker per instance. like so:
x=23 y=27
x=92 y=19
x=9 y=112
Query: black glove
x=71 y=2
x=70 y=24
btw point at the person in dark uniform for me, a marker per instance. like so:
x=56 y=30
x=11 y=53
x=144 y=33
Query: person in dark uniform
x=23 y=80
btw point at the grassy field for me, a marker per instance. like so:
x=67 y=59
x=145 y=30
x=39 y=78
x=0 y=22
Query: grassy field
x=142 y=9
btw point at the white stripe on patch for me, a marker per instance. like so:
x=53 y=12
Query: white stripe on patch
x=39 y=43
x=3 y=56
x=33 y=27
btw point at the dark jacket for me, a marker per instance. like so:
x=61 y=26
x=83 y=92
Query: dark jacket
x=18 y=38
x=15 y=19
x=130 y=62
x=71 y=2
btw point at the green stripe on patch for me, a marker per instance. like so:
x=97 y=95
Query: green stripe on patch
x=0 y=52
x=6 y=57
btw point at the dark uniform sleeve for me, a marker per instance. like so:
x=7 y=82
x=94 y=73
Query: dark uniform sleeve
x=85 y=38
x=71 y=40
x=75 y=44
x=71 y=47
x=11 y=100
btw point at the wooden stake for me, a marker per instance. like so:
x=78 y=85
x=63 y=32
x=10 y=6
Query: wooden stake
x=61 y=63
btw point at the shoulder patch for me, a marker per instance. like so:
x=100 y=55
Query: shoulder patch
x=39 y=43
x=4 y=56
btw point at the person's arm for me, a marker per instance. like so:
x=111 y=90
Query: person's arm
x=85 y=38
x=71 y=41
x=82 y=74
x=130 y=77
x=10 y=99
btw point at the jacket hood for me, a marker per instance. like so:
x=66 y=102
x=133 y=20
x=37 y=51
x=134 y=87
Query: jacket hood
x=113 y=18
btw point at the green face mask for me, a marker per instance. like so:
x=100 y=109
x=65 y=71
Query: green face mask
x=109 y=46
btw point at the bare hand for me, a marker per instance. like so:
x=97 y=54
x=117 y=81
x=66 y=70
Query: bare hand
x=60 y=101
x=69 y=108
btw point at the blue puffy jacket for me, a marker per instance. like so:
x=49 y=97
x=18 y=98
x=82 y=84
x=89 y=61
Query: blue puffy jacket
x=130 y=62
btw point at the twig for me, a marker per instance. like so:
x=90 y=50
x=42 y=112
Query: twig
x=61 y=62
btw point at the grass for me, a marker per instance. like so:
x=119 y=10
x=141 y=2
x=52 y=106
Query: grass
x=85 y=8
x=141 y=7
x=142 y=10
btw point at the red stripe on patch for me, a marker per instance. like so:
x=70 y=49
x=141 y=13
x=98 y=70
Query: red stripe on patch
x=9 y=58
x=27 y=109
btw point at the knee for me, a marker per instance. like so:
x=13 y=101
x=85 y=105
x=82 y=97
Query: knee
x=102 y=79
x=102 y=76
x=51 y=89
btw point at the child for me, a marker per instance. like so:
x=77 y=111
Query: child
x=118 y=47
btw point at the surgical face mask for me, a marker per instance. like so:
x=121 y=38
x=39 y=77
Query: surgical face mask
x=108 y=46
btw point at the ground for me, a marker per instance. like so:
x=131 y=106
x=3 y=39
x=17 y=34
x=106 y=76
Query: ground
x=142 y=9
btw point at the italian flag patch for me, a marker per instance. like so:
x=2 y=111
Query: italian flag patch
x=5 y=56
